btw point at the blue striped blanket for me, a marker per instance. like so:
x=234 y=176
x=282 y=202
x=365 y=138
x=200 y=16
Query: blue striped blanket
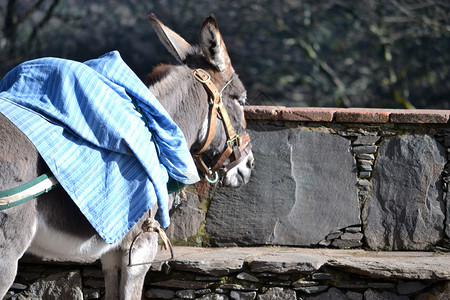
x=82 y=120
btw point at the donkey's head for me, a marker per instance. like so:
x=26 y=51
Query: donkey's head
x=205 y=97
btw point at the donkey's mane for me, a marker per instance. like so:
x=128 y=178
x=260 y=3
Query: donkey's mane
x=173 y=85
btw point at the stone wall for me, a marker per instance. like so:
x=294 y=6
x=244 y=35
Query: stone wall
x=339 y=178
x=256 y=273
x=324 y=179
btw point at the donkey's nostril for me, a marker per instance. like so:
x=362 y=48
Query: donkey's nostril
x=251 y=163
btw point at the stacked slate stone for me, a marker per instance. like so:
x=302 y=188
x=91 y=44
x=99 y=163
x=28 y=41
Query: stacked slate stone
x=346 y=238
x=304 y=278
x=446 y=174
x=365 y=150
x=292 y=286
x=56 y=282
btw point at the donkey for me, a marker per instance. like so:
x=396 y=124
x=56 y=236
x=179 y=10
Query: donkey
x=51 y=226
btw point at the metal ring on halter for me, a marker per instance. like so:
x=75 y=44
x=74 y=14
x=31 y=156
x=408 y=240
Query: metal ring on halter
x=214 y=179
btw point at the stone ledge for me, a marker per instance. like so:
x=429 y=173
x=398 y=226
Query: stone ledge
x=223 y=261
x=347 y=115
x=254 y=273
x=405 y=265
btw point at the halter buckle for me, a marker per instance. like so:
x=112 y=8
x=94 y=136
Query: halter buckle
x=233 y=139
x=199 y=77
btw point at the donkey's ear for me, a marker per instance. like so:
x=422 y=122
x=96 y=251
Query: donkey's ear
x=172 y=41
x=213 y=46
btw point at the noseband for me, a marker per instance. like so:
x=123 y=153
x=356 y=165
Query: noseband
x=237 y=145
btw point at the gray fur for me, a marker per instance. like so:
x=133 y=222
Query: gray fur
x=52 y=226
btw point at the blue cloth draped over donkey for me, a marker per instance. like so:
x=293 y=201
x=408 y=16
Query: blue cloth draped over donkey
x=82 y=119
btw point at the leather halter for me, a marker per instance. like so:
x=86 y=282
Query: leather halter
x=238 y=145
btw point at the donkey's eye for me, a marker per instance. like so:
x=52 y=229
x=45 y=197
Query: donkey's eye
x=242 y=99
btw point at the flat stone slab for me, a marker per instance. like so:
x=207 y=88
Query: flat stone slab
x=210 y=261
x=404 y=210
x=287 y=260
x=297 y=194
x=395 y=264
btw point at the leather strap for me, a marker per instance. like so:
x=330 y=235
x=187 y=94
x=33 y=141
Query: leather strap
x=244 y=153
x=235 y=143
x=242 y=144
x=203 y=77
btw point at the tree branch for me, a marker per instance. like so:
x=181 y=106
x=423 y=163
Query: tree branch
x=43 y=22
x=30 y=11
x=342 y=98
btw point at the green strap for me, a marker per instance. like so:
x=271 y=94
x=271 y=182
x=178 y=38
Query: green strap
x=174 y=186
x=24 y=187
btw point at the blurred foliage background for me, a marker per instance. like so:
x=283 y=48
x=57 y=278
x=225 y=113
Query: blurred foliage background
x=345 y=53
